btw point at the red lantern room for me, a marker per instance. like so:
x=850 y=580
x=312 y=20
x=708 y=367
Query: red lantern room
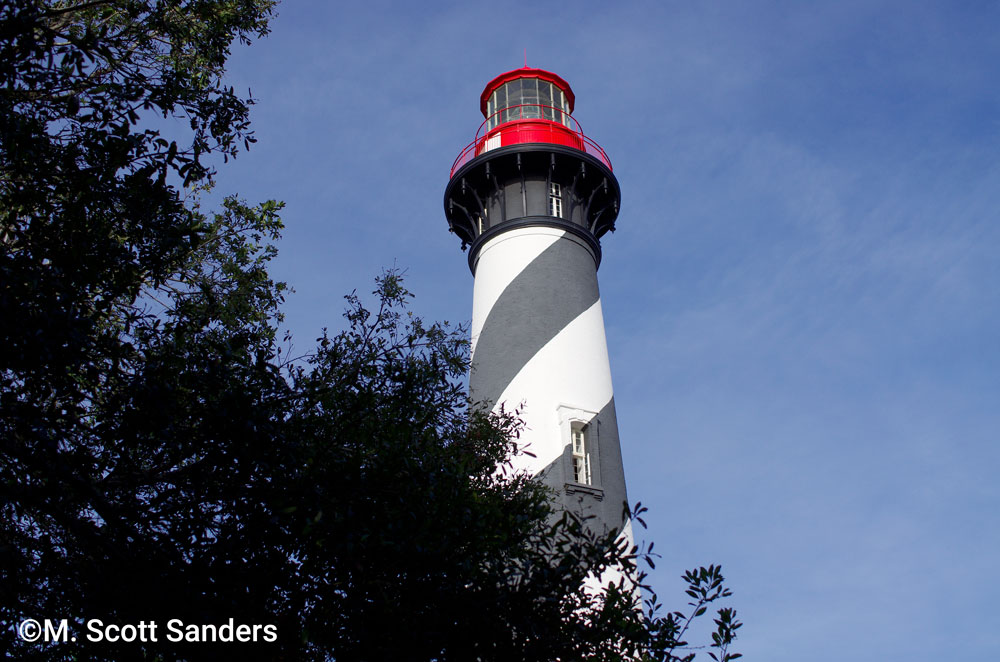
x=530 y=164
x=528 y=105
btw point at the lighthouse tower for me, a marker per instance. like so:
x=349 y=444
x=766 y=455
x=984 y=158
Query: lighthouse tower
x=530 y=197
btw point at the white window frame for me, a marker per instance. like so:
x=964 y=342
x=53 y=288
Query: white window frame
x=555 y=200
x=573 y=421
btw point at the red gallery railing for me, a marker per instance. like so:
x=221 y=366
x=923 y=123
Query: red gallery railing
x=529 y=123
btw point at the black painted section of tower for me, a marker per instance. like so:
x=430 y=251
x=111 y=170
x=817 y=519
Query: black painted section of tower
x=505 y=187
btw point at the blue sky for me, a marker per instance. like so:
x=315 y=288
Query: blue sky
x=801 y=298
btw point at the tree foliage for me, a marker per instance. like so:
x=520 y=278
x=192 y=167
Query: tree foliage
x=164 y=457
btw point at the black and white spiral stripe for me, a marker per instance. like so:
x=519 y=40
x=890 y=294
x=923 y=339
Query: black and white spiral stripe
x=538 y=341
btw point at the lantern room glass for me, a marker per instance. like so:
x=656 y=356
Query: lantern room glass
x=527 y=98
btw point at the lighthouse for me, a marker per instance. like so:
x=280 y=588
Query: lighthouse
x=530 y=197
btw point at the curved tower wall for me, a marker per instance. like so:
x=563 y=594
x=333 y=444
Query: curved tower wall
x=538 y=342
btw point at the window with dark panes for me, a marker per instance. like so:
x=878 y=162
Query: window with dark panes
x=498 y=101
x=529 y=98
x=513 y=111
x=545 y=99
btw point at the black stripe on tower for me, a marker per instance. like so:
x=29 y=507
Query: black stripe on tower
x=552 y=291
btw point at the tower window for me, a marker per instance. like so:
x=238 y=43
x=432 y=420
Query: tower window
x=581 y=457
x=555 y=200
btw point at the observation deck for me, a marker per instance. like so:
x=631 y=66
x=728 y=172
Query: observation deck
x=528 y=123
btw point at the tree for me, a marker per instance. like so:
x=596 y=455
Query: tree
x=163 y=457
